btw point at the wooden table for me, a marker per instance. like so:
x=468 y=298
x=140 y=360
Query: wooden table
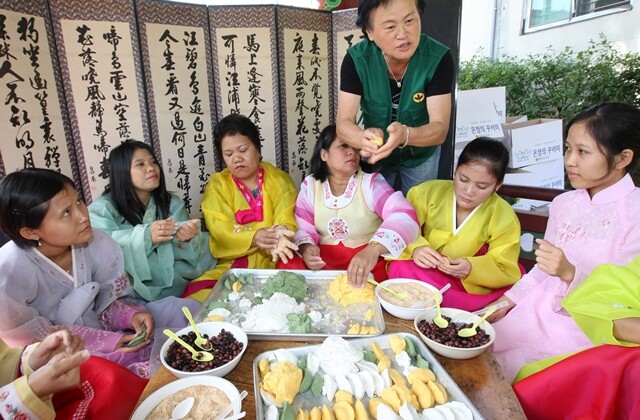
x=480 y=378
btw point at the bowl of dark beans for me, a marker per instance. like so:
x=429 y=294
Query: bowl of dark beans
x=446 y=342
x=227 y=341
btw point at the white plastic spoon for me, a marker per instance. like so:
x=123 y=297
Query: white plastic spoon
x=181 y=410
x=496 y=307
x=231 y=405
x=419 y=304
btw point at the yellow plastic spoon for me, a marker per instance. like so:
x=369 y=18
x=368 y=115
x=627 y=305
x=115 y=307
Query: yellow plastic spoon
x=200 y=340
x=200 y=356
x=400 y=296
x=439 y=320
x=471 y=331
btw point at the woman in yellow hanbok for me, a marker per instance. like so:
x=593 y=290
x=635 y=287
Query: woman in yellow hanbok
x=247 y=207
x=470 y=236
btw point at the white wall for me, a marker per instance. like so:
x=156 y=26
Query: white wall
x=476 y=29
x=622 y=29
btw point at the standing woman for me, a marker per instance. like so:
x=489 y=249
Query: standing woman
x=163 y=249
x=59 y=272
x=348 y=219
x=248 y=207
x=401 y=80
x=595 y=224
x=470 y=235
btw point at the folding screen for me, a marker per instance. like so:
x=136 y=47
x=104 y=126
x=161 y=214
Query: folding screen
x=192 y=64
x=97 y=46
x=246 y=70
x=177 y=61
x=34 y=125
x=306 y=83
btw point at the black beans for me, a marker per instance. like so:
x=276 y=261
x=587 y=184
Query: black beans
x=449 y=336
x=225 y=349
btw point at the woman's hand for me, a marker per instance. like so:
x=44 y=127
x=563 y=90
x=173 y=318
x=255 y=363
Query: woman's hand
x=458 y=267
x=361 y=265
x=627 y=329
x=143 y=321
x=124 y=346
x=311 y=257
x=265 y=239
x=552 y=261
x=62 y=372
x=284 y=248
x=59 y=342
x=427 y=257
x=140 y=322
x=500 y=313
x=188 y=230
x=162 y=230
x=397 y=137
x=368 y=147
x=274 y=240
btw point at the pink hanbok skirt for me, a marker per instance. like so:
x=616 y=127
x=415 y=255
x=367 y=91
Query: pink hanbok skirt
x=456 y=296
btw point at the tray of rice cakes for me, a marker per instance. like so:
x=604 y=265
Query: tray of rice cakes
x=294 y=305
x=387 y=377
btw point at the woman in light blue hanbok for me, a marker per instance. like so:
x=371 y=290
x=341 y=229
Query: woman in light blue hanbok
x=163 y=249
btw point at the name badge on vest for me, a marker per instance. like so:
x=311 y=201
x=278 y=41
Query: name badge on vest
x=338 y=228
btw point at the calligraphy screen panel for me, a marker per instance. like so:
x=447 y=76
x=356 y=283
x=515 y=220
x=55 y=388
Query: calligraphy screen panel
x=306 y=83
x=102 y=76
x=246 y=68
x=177 y=62
x=33 y=120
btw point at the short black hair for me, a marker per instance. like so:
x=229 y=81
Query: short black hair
x=365 y=7
x=236 y=124
x=488 y=152
x=25 y=196
x=121 y=189
x=615 y=127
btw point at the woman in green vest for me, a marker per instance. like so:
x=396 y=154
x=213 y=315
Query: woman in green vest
x=401 y=80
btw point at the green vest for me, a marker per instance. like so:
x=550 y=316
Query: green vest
x=375 y=102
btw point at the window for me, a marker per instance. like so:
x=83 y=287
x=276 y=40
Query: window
x=542 y=14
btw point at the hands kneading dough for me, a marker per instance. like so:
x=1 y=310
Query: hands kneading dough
x=284 y=248
x=378 y=141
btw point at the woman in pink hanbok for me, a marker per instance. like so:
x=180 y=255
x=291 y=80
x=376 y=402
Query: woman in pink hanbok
x=59 y=272
x=348 y=219
x=595 y=224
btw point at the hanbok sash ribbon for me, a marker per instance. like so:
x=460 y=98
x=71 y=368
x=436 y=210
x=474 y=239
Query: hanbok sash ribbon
x=254 y=212
x=76 y=303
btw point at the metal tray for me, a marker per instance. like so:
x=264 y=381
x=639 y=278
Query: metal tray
x=337 y=319
x=307 y=399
